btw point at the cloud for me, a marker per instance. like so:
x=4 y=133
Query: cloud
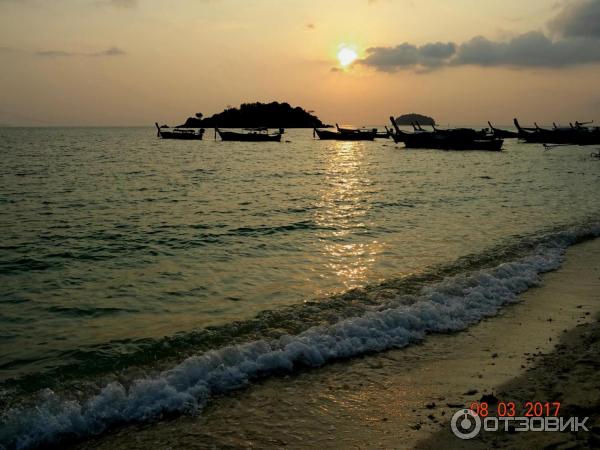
x=577 y=27
x=111 y=51
x=435 y=54
x=578 y=19
x=407 y=55
x=532 y=49
x=392 y=58
x=438 y=50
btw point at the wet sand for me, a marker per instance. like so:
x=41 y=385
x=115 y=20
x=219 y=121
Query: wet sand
x=404 y=398
x=570 y=375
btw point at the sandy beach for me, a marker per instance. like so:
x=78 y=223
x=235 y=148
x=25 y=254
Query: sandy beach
x=568 y=374
x=544 y=348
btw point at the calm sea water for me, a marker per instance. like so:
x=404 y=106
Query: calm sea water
x=120 y=250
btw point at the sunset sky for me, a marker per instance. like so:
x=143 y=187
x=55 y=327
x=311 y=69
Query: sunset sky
x=128 y=62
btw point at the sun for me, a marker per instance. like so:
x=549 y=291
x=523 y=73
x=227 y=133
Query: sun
x=346 y=55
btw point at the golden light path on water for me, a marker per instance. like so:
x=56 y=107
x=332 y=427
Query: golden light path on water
x=342 y=212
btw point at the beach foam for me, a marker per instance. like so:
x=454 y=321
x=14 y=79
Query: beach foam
x=447 y=306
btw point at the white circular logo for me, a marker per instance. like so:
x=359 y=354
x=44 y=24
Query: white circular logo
x=465 y=424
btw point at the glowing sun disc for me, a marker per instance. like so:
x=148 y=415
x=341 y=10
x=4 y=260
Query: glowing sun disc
x=346 y=56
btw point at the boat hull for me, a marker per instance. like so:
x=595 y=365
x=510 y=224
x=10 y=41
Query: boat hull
x=446 y=140
x=326 y=135
x=503 y=134
x=248 y=137
x=181 y=136
x=562 y=139
x=380 y=135
x=574 y=136
x=441 y=143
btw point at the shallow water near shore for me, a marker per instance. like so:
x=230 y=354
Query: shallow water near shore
x=401 y=398
x=119 y=250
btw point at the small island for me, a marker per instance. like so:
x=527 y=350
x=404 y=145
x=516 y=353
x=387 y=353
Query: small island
x=409 y=119
x=257 y=115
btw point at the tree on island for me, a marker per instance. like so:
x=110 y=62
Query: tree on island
x=255 y=115
x=409 y=119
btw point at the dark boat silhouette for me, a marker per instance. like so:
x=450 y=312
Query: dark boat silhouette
x=250 y=135
x=382 y=135
x=577 y=134
x=345 y=134
x=464 y=133
x=179 y=133
x=502 y=134
x=455 y=139
x=378 y=134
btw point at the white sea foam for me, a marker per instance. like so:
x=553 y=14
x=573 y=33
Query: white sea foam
x=451 y=305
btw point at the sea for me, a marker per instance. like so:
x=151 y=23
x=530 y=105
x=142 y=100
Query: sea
x=141 y=278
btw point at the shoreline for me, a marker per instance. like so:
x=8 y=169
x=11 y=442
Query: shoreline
x=567 y=375
x=394 y=399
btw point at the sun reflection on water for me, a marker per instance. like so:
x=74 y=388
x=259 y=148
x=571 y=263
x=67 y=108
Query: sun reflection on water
x=343 y=213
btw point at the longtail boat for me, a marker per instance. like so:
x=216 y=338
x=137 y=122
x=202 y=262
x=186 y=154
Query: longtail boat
x=464 y=133
x=574 y=135
x=445 y=140
x=528 y=134
x=185 y=134
x=502 y=134
x=378 y=134
x=250 y=135
x=345 y=135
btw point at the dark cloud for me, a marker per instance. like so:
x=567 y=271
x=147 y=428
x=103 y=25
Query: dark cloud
x=528 y=50
x=407 y=55
x=438 y=50
x=577 y=41
x=532 y=49
x=578 y=19
x=392 y=58
x=436 y=54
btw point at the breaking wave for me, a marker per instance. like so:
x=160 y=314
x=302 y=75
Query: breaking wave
x=452 y=304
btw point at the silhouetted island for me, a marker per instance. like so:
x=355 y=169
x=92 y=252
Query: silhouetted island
x=408 y=119
x=255 y=115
